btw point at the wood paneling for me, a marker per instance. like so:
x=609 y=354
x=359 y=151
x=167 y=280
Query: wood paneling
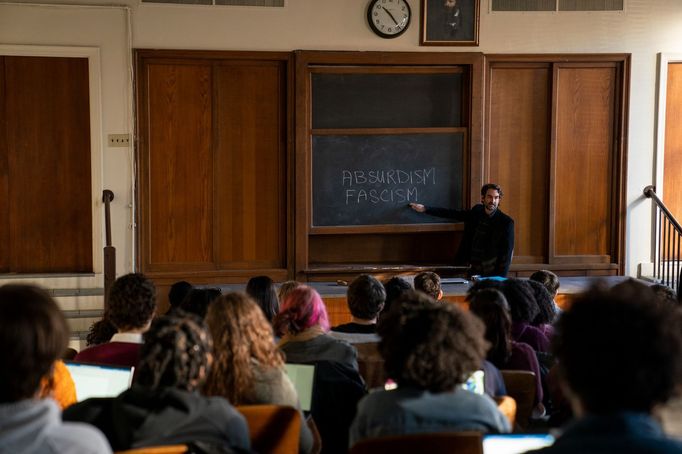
x=582 y=170
x=672 y=161
x=5 y=247
x=518 y=151
x=47 y=173
x=250 y=164
x=180 y=198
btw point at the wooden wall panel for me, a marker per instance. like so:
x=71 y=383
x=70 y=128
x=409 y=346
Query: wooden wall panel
x=518 y=151
x=582 y=179
x=672 y=161
x=5 y=249
x=250 y=151
x=48 y=163
x=180 y=166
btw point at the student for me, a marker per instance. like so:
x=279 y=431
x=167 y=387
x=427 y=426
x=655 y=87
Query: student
x=303 y=324
x=523 y=310
x=429 y=349
x=248 y=368
x=619 y=357
x=285 y=288
x=131 y=306
x=176 y=294
x=34 y=334
x=198 y=300
x=365 y=299
x=429 y=283
x=163 y=407
x=395 y=287
x=546 y=315
x=551 y=283
x=264 y=293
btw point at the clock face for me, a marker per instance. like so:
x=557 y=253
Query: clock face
x=388 y=18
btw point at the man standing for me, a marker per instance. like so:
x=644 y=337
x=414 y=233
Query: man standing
x=488 y=240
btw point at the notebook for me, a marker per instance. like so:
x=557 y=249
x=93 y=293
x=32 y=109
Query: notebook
x=301 y=375
x=99 y=380
x=515 y=443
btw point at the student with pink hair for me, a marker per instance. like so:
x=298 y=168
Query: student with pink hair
x=303 y=324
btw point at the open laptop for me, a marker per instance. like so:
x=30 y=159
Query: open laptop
x=515 y=443
x=301 y=375
x=99 y=380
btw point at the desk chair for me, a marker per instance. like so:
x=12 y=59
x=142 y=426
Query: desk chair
x=432 y=443
x=273 y=428
x=371 y=364
x=521 y=385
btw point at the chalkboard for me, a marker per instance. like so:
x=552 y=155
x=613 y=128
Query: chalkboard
x=370 y=179
x=386 y=100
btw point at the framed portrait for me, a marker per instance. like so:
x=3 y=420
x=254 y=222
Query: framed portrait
x=449 y=22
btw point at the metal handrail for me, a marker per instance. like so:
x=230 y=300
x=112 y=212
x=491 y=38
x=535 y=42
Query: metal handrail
x=667 y=262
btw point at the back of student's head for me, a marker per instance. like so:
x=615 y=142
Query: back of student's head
x=429 y=345
x=100 y=332
x=544 y=302
x=176 y=353
x=548 y=279
x=395 y=287
x=262 y=290
x=285 y=288
x=429 y=283
x=366 y=297
x=132 y=302
x=178 y=292
x=303 y=308
x=197 y=301
x=33 y=334
x=519 y=295
x=620 y=351
x=665 y=294
x=492 y=308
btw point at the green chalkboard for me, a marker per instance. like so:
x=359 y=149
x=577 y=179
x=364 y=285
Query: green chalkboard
x=370 y=179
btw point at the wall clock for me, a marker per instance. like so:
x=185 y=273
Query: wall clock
x=389 y=18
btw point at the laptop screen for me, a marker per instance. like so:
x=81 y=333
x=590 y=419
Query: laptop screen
x=515 y=443
x=301 y=375
x=475 y=383
x=98 y=380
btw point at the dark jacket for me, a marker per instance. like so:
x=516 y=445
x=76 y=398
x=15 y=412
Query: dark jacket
x=488 y=241
x=142 y=417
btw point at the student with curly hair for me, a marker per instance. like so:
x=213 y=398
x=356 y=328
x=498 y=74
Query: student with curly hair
x=248 y=368
x=34 y=334
x=429 y=350
x=163 y=406
x=131 y=306
x=544 y=320
x=429 y=283
x=620 y=357
x=523 y=310
x=303 y=324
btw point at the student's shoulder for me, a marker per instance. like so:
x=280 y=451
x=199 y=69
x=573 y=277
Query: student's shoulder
x=77 y=438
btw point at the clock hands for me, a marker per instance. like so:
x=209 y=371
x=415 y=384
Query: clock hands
x=389 y=13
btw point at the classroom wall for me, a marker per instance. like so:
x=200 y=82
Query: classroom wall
x=646 y=28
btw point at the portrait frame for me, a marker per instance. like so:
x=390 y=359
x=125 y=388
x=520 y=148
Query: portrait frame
x=449 y=22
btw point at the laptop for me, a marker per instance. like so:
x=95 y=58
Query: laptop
x=515 y=443
x=301 y=375
x=475 y=383
x=99 y=380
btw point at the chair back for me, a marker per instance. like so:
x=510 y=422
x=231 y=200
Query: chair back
x=272 y=428
x=432 y=443
x=521 y=385
x=371 y=364
x=168 y=449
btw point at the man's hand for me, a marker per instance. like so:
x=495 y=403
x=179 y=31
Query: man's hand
x=418 y=207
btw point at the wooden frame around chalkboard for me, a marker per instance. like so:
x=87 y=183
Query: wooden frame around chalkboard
x=367 y=242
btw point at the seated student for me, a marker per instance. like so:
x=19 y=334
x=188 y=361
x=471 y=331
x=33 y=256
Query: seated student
x=197 y=301
x=100 y=332
x=285 y=288
x=176 y=294
x=491 y=307
x=248 y=368
x=619 y=357
x=523 y=310
x=264 y=293
x=429 y=349
x=395 y=287
x=429 y=283
x=303 y=324
x=551 y=283
x=546 y=315
x=34 y=334
x=163 y=407
x=365 y=298
x=131 y=306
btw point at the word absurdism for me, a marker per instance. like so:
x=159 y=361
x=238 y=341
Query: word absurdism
x=385 y=186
